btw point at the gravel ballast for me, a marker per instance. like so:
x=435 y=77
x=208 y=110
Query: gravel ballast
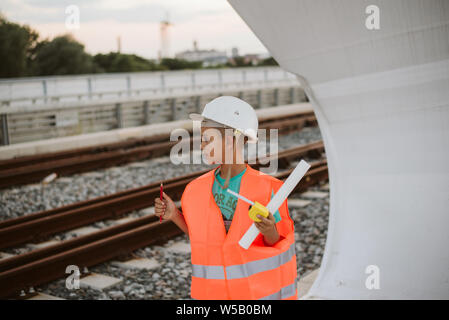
x=172 y=279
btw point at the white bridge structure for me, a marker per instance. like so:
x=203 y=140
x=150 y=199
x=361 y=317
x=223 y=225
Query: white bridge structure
x=381 y=98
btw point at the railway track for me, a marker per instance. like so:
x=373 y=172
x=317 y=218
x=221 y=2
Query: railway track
x=38 y=226
x=43 y=265
x=31 y=169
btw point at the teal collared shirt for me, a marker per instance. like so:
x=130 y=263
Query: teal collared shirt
x=228 y=202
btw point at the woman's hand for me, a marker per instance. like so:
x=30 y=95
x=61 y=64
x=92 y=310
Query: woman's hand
x=267 y=226
x=165 y=208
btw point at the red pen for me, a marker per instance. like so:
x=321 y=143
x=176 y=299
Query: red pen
x=160 y=195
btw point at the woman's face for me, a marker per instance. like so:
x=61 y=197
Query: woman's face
x=212 y=145
x=214 y=148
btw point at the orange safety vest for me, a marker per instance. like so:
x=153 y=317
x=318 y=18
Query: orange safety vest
x=223 y=270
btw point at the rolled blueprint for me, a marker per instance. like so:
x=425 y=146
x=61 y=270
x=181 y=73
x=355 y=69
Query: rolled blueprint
x=280 y=196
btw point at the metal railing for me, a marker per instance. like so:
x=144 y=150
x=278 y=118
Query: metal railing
x=58 y=89
x=37 y=122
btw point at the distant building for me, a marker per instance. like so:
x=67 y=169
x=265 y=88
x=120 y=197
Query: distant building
x=247 y=59
x=251 y=59
x=208 y=57
x=235 y=52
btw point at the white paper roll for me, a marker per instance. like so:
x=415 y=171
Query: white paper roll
x=280 y=196
x=288 y=186
x=249 y=236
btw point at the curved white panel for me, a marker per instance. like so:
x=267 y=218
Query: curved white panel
x=381 y=98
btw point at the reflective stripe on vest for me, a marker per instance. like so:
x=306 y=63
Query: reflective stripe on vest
x=285 y=292
x=208 y=272
x=243 y=270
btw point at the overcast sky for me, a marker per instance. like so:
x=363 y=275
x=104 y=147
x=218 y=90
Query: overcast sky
x=213 y=23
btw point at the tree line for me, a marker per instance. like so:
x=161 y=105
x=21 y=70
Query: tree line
x=23 y=54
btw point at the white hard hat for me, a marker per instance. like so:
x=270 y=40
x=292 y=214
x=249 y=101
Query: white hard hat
x=232 y=112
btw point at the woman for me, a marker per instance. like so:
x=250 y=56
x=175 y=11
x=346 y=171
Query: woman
x=215 y=220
